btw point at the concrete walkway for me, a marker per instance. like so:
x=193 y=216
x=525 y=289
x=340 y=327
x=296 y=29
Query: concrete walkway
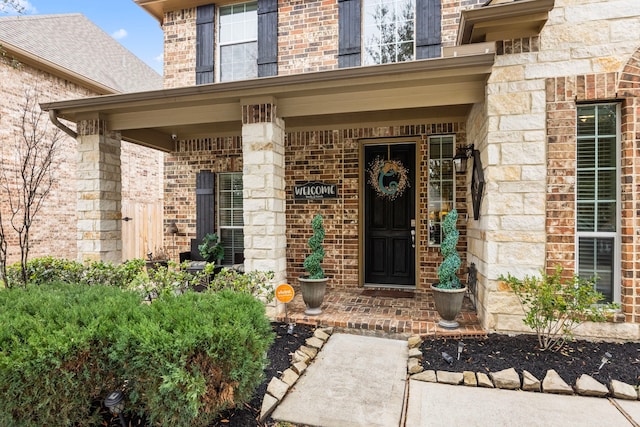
x=361 y=381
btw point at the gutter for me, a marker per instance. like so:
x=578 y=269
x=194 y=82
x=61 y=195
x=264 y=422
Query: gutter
x=53 y=116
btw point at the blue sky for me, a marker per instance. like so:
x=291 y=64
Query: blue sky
x=125 y=21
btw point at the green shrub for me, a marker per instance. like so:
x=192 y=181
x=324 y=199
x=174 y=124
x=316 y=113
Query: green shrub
x=180 y=360
x=254 y=283
x=554 y=307
x=451 y=260
x=313 y=261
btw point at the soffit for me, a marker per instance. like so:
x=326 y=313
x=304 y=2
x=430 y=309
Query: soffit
x=391 y=93
x=503 y=21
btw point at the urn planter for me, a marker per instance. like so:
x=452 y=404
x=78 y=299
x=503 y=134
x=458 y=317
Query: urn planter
x=448 y=304
x=313 y=291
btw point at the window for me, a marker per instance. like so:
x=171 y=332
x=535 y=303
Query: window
x=388 y=33
x=441 y=184
x=238 y=42
x=230 y=221
x=597 y=196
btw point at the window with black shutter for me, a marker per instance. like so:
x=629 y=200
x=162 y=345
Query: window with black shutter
x=205 y=44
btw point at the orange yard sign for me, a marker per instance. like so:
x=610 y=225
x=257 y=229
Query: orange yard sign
x=284 y=293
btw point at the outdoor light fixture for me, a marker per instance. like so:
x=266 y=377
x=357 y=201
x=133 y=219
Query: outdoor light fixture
x=447 y=358
x=290 y=328
x=460 y=348
x=115 y=403
x=460 y=159
x=173 y=228
x=607 y=356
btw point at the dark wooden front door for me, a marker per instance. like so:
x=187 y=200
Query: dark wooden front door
x=389 y=249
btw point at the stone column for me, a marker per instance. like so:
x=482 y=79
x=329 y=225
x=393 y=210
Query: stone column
x=99 y=192
x=265 y=240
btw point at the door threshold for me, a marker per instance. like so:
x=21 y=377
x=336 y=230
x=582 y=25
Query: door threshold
x=389 y=286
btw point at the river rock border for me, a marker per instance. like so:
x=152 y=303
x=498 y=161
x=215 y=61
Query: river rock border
x=300 y=360
x=510 y=380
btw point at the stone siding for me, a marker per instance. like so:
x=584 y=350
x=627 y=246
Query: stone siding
x=54 y=228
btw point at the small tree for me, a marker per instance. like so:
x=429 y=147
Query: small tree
x=26 y=178
x=314 y=260
x=451 y=260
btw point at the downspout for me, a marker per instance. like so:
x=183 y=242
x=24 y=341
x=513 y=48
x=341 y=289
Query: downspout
x=53 y=116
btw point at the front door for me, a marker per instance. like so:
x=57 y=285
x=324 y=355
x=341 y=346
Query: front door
x=389 y=215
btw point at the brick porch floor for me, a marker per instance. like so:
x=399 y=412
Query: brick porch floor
x=350 y=309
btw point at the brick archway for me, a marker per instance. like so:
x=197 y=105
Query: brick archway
x=629 y=82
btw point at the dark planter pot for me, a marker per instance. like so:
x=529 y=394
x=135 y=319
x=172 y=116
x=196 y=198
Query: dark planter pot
x=449 y=304
x=313 y=291
x=153 y=265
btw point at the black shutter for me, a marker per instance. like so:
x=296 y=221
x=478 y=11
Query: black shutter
x=267 y=38
x=349 y=17
x=428 y=32
x=204 y=43
x=205 y=197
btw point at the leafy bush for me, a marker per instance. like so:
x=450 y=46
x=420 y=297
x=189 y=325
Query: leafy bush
x=554 y=306
x=254 y=283
x=211 y=250
x=180 y=360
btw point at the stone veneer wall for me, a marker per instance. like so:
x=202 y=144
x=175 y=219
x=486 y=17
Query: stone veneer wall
x=527 y=156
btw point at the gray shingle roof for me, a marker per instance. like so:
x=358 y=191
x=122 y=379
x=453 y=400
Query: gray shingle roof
x=75 y=43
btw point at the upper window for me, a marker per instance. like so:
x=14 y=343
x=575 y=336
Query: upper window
x=388 y=31
x=597 y=198
x=441 y=184
x=238 y=42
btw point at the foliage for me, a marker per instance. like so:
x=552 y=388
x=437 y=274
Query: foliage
x=554 y=306
x=26 y=178
x=211 y=249
x=313 y=261
x=451 y=262
x=163 y=280
x=254 y=283
x=160 y=254
x=179 y=360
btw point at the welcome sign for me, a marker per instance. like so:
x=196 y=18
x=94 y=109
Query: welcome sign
x=315 y=191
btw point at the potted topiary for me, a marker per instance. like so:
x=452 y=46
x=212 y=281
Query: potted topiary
x=448 y=293
x=314 y=285
x=211 y=249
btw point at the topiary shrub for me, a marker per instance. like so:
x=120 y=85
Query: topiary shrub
x=451 y=262
x=314 y=260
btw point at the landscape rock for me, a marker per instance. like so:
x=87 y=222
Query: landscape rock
x=289 y=376
x=530 y=382
x=415 y=353
x=299 y=367
x=414 y=341
x=300 y=356
x=269 y=403
x=277 y=388
x=552 y=383
x=484 y=380
x=426 y=376
x=309 y=351
x=328 y=331
x=446 y=377
x=589 y=386
x=622 y=390
x=506 y=379
x=470 y=379
x=321 y=335
x=315 y=342
x=414 y=366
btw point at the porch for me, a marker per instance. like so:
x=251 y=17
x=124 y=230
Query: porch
x=382 y=312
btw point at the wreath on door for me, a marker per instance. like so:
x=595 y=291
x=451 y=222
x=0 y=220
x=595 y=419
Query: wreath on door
x=389 y=178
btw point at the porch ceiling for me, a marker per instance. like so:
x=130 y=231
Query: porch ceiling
x=383 y=94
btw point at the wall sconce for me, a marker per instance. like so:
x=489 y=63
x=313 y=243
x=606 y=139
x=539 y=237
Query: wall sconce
x=460 y=159
x=172 y=228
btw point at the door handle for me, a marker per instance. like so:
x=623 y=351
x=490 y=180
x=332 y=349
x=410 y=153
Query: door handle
x=413 y=238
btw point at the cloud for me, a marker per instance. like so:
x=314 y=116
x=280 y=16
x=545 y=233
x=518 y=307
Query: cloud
x=17 y=6
x=119 y=34
x=159 y=58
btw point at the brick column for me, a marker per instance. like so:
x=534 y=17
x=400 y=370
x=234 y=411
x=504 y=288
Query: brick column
x=99 y=193
x=264 y=190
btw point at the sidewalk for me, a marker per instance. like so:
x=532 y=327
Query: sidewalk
x=361 y=381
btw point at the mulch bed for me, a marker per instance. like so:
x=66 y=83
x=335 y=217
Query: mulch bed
x=498 y=352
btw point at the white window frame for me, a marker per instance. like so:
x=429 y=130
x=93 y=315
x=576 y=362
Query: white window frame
x=452 y=201
x=220 y=44
x=219 y=192
x=363 y=41
x=615 y=235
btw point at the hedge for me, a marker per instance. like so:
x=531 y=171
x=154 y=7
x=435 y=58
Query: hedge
x=180 y=360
